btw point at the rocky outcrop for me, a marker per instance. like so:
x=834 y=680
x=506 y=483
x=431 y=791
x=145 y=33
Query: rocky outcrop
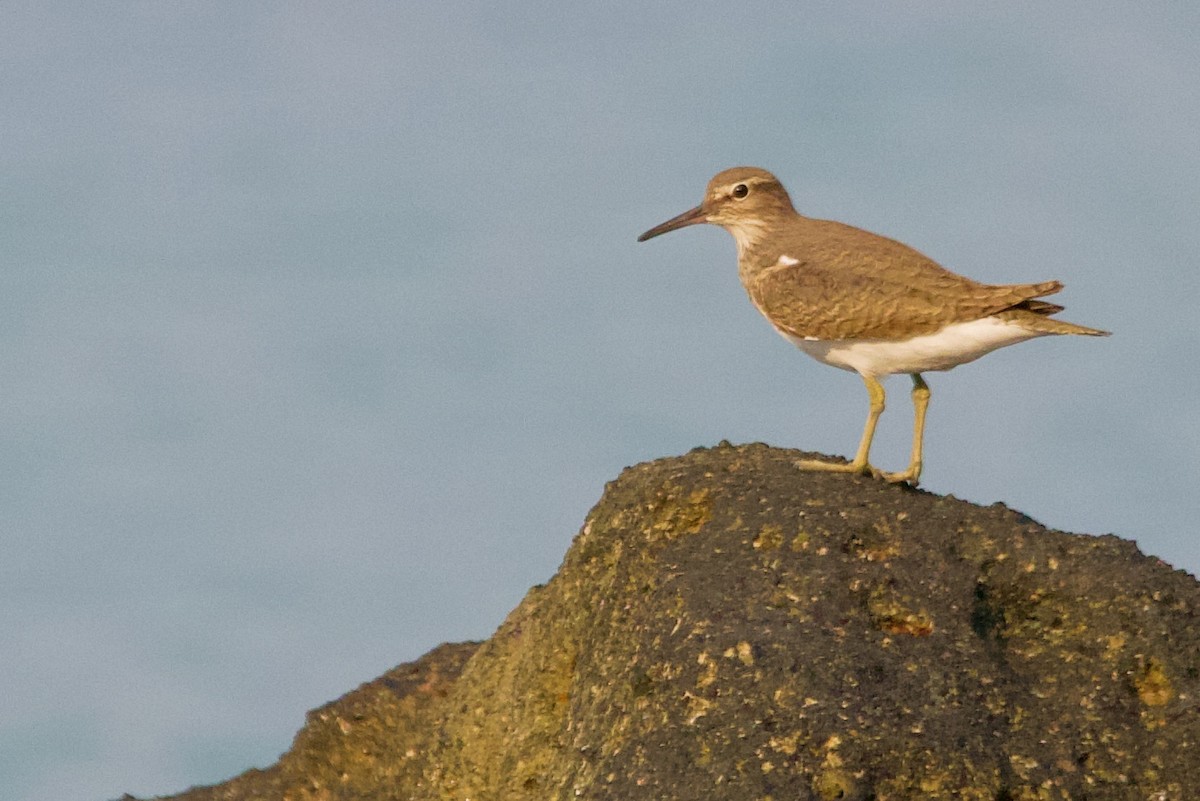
x=727 y=627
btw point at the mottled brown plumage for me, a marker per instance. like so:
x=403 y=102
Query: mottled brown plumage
x=851 y=284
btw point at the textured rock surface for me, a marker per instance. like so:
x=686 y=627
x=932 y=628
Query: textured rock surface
x=726 y=627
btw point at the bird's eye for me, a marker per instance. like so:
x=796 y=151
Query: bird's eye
x=740 y=191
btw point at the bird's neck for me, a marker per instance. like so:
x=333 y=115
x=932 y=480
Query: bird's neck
x=750 y=234
x=758 y=240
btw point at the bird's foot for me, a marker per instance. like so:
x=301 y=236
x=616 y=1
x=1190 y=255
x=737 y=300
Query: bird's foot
x=859 y=468
x=911 y=476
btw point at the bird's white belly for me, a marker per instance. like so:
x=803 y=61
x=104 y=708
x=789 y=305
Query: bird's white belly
x=955 y=344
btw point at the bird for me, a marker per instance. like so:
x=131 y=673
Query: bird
x=863 y=302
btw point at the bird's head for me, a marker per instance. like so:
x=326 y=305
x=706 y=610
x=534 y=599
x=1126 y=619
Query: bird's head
x=743 y=200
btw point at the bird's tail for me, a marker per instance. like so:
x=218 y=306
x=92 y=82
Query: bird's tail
x=1034 y=315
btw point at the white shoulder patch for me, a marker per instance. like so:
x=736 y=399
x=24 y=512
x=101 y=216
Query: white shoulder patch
x=787 y=261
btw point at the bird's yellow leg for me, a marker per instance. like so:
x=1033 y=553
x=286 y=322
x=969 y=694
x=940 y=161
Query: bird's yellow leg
x=861 y=463
x=920 y=398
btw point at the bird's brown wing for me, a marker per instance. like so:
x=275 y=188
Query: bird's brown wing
x=852 y=284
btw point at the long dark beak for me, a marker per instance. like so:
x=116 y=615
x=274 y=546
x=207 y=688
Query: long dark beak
x=690 y=217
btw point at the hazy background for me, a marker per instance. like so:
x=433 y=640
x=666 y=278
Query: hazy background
x=323 y=325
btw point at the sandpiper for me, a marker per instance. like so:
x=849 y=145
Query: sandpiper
x=863 y=302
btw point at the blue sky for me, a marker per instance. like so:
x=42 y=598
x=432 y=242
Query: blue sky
x=323 y=325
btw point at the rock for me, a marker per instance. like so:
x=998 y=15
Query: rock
x=728 y=627
x=366 y=744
